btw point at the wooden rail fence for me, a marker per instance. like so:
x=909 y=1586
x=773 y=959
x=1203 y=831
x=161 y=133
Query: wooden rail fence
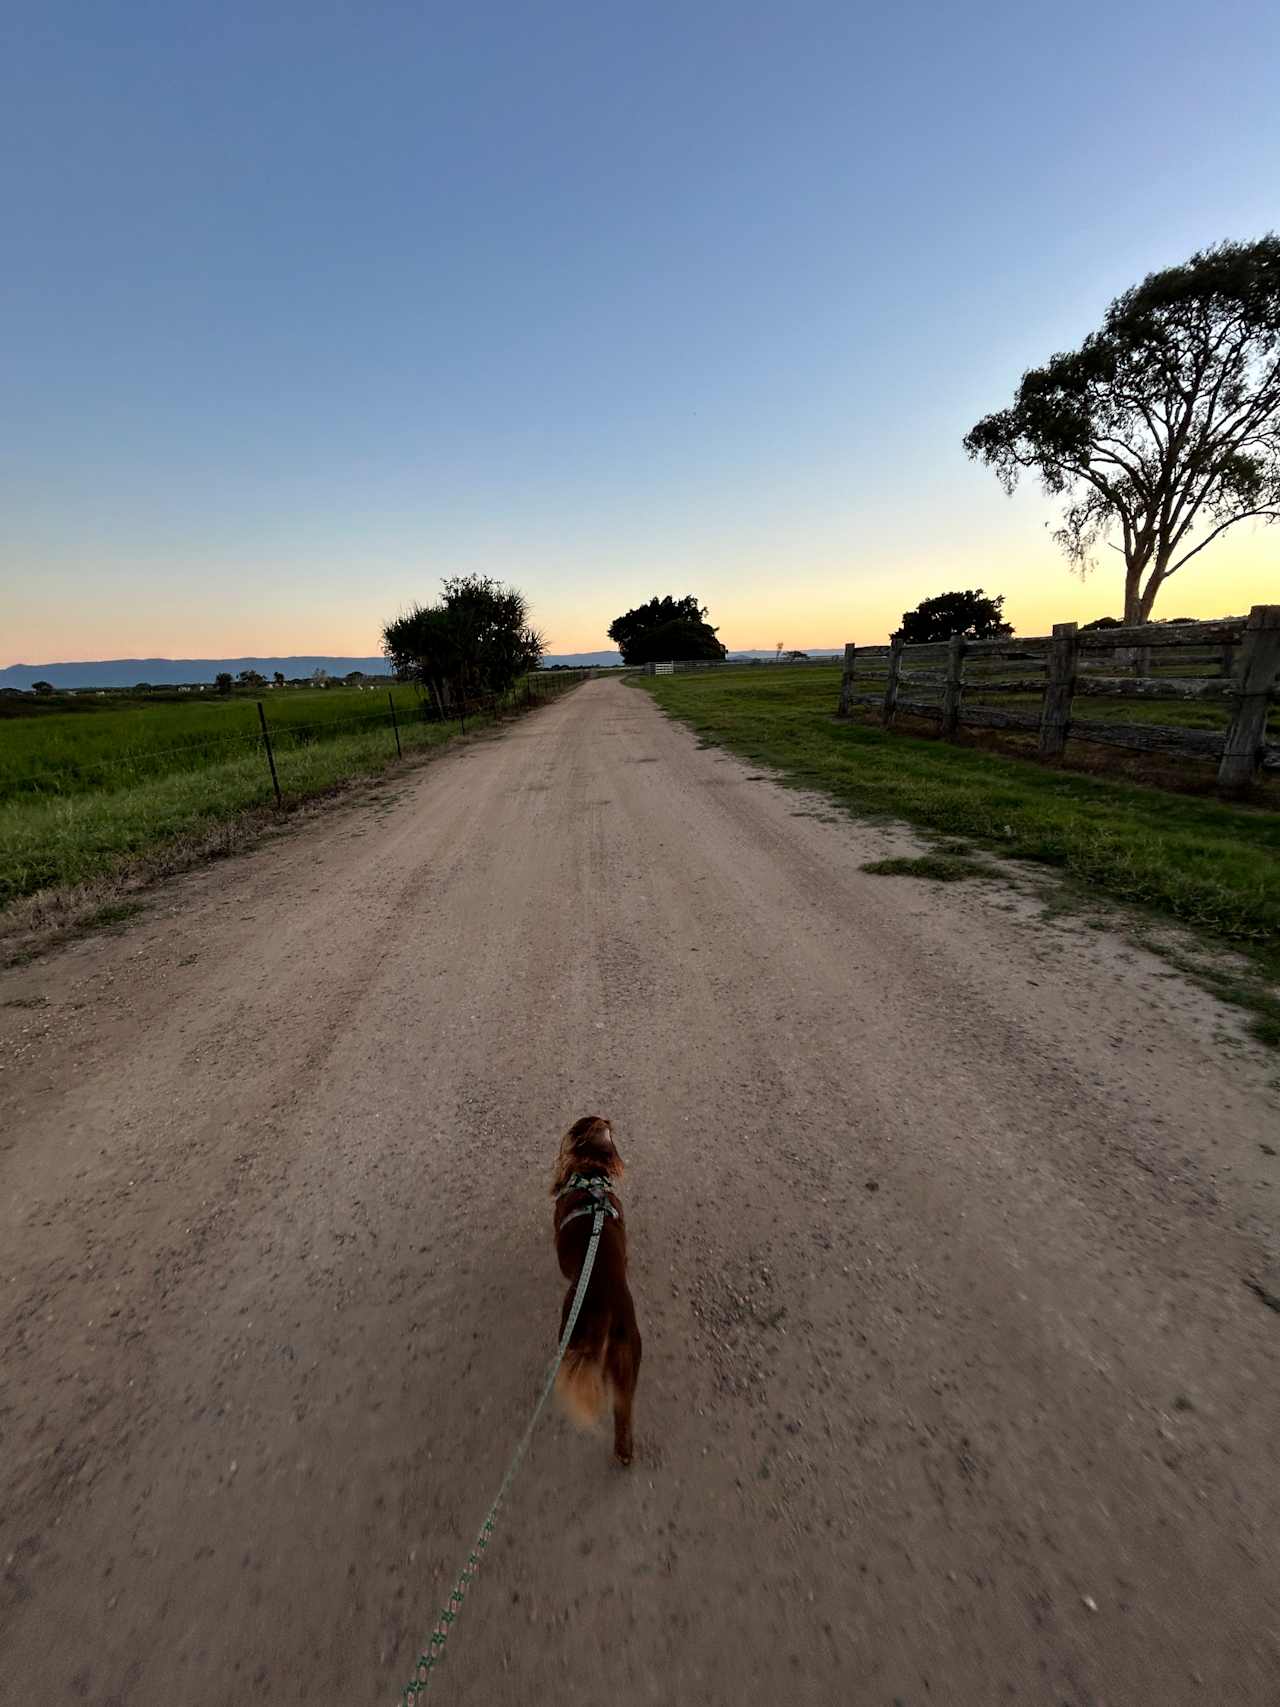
x=1239 y=658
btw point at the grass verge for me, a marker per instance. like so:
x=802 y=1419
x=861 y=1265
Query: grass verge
x=53 y=840
x=935 y=867
x=65 y=854
x=1208 y=865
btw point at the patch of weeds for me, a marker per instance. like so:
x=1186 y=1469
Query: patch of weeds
x=114 y=913
x=937 y=867
x=1238 y=987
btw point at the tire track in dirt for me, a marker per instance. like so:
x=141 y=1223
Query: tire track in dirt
x=940 y=1218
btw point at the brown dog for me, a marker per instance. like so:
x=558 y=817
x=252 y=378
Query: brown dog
x=604 y=1353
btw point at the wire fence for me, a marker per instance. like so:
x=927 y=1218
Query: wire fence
x=399 y=727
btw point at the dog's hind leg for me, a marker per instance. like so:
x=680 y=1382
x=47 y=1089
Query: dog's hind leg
x=623 y=1366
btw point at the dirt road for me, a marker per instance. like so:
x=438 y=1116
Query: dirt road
x=953 y=1391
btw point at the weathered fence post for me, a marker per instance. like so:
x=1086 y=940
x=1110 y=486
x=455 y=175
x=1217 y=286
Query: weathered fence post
x=954 y=687
x=1255 y=675
x=846 y=680
x=394 y=724
x=1059 y=690
x=890 y=706
x=271 y=758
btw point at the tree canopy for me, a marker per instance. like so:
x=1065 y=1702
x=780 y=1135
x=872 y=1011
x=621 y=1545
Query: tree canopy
x=665 y=629
x=477 y=640
x=971 y=614
x=1164 y=426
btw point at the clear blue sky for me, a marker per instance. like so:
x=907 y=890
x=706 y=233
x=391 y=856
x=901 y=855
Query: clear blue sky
x=307 y=306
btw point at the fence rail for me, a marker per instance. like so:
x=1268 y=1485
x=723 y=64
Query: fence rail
x=1063 y=666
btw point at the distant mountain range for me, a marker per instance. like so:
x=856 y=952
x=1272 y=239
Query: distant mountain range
x=168 y=672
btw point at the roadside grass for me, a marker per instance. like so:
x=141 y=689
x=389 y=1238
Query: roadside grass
x=73 y=752
x=51 y=840
x=114 y=913
x=211 y=800
x=1251 y=992
x=1211 y=866
x=938 y=867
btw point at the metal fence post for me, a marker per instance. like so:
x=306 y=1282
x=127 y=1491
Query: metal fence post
x=1059 y=690
x=890 y=705
x=1255 y=676
x=846 y=680
x=394 y=724
x=271 y=758
x=954 y=688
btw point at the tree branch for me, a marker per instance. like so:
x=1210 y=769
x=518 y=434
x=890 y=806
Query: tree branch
x=1271 y=515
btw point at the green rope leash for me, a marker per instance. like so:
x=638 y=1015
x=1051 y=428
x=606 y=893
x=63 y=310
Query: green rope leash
x=433 y=1653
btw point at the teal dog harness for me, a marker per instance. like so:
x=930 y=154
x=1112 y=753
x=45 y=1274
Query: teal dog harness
x=599 y=1191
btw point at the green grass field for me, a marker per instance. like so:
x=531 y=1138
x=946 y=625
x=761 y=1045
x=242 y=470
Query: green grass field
x=73 y=752
x=82 y=793
x=1209 y=865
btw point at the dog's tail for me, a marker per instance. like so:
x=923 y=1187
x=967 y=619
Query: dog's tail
x=580 y=1383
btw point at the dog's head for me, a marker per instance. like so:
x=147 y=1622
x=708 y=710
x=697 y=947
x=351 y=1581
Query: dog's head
x=587 y=1146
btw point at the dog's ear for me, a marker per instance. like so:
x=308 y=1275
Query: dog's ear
x=567 y=1155
x=608 y=1151
x=563 y=1164
x=614 y=1162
